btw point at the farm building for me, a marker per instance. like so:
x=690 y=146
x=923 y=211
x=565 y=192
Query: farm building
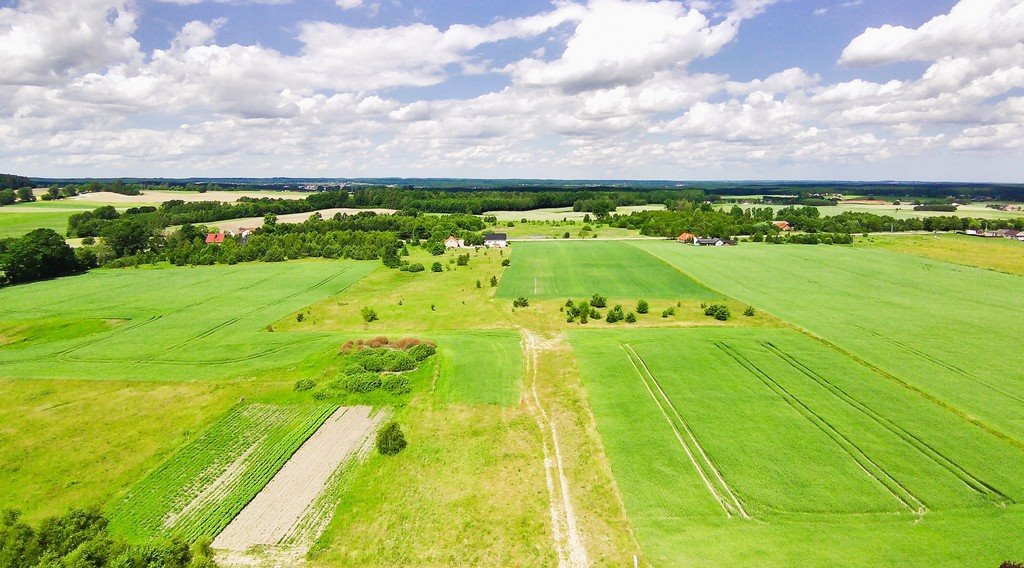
x=783 y=225
x=686 y=238
x=215 y=238
x=496 y=240
x=453 y=242
x=714 y=242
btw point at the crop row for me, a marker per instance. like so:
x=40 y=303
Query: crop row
x=200 y=489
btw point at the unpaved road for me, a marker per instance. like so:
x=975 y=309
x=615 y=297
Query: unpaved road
x=566 y=533
x=275 y=513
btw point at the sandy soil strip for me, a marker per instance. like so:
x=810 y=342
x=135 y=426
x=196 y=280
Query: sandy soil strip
x=274 y=514
x=566 y=533
x=233 y=225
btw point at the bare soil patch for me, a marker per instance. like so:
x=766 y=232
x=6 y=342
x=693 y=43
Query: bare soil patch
x=275 y=514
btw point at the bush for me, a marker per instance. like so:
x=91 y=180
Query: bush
x=520 y=302
x=391 y=440
x=89 y=241
x=422 y=351
x=414 y=267
x=749 y=312
x=668 y=312
x=361 y=383
x=299 y=317
x=630 y=317
x=642 y=307
x=384 y=360
x=462 y=260
x=303 y=385
x=615 y=315
x=494 y=281
x=505 y=262
x=598 y=301
x=717 y=311
x=369 y=314
x=396 y=384
x=436 y=267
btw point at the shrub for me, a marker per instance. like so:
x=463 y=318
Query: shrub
x=462 y=260
x=88 y=241
x=384 y=360
x=630 y=317
x=361 y=383
x=505 y=262
x=749 y=312
x=414 y=267
x=565 y=235
x=668 y=312
x=422 y=351
x=717 y=311
x=303 y=385
x=478 y=286
x=326 y=394
x=494 y=281
x=436 y=267
x=615 y=315
x=369 y=314
x=598 y=301
x=642 y=307
x=396 y=384
x=299 y=317
x=391 y=440
x=520 y=302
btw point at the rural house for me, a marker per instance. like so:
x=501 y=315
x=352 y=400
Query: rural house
x=686 y=238
x=495 y=240
x=713 y=242
x=215 y=238
x=453 y=242
x=783 y=225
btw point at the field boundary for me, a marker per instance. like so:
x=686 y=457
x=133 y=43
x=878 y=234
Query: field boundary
x=872 y=469
x=721 y=491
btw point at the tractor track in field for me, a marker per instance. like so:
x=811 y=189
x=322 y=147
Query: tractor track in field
x=967 y=478
x=565 y=532
x=708 y=472
x=872 y=469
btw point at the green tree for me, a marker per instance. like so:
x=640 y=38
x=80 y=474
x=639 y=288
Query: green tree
x=368 y=314
x=391 y=440
x=642 y=307
x=494 y=281
x=25 y=195
x=38 y=255
x=127 y=237
x=436 y=267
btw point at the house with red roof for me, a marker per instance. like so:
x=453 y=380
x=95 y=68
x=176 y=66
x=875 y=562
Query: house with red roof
x=687 y=238
x=215 y=238
x=783 y=225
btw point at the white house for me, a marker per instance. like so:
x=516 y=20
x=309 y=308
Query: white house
x=495 y=240
x=453 y=243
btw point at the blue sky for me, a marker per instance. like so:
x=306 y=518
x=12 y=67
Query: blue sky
x=701 y=89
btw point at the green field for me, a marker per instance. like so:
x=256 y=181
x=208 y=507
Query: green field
x=1002 y=255
x=173 y=323
x=14 y=224
x=557 y=270
x=755 y=439
x=201 y=488
x=905 y=211
x=940 y=328
x=481 y=368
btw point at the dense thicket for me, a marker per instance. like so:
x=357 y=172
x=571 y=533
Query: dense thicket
x=81 y=539
x=38 y=255
x=11 y=181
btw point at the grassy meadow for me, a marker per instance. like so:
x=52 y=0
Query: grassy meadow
x=16 y=224
x=1001 y=255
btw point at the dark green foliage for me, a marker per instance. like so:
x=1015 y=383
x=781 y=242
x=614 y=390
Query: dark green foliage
x=718 y=311
x=494 y=281
x=422 y=351
x=520 y=302
x=368 y=314
x=642 y=307
x=505 y=262
x=8 y=197
x=630 y=317
x=25 y=195
x=478 y=285
x=396 y=384
x=749 y=312
x=361 y=382
x=38 y=255
x=80 y=539
x=414 y=267
x=303 y=385
x=598 y=301
x=615 y=314
x=462 y=260
x=668 y=312
x=391 y=439
x=384 y=359
x=436 y=267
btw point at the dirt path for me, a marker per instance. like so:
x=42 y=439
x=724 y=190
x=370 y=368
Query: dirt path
x=280 y=508
x=566 y=533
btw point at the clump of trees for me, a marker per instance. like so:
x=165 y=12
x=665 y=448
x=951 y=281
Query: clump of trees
x=80 y=538
x=377 y=363
x=520 y=302
x=39 y=255
x=718 y=311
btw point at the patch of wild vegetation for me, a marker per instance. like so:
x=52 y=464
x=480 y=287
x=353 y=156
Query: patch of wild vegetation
x=374 y=364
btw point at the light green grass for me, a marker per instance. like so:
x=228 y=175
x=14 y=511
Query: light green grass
x=480 y=368
x=77 y=443
x=810 y=443
x=248 y=446
x=17 y=224
x=580 y=269
x=941 y=328
x=1003 y=255
x=180 y=323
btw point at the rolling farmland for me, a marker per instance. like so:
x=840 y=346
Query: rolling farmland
x=558 y=270
x=480 y=368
